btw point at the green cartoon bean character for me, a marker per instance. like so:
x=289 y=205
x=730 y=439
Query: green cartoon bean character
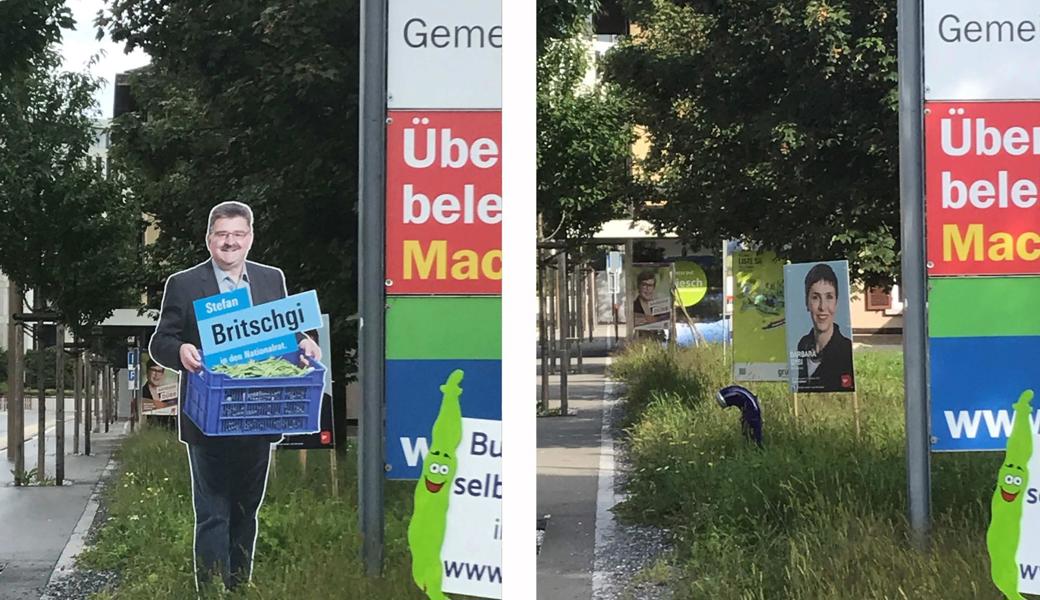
x=432 y=492
x=1005 y=525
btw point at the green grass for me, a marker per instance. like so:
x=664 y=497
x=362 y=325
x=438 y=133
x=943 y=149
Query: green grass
x=309 y=543
x=818 y=513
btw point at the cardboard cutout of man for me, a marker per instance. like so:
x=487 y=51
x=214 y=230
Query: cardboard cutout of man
x=228 y=474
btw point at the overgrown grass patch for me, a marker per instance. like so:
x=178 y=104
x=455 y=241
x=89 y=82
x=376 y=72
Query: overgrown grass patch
x=309 y=543
x=818 y=513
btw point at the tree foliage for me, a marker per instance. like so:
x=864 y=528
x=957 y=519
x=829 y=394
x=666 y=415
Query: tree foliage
x=65 y=229
x=773 y=121
x=584 y=132
x=254 y=101
x=27 y=29
x=562 y=19
x=584 y=142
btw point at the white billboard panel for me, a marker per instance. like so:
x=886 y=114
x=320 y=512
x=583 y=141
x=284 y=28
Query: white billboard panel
x=444 y=55
x=981 y=50
x=472 y=550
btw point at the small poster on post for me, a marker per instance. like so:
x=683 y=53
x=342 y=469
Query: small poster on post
x=159 y=389
x=650 y=288
x=819 y=327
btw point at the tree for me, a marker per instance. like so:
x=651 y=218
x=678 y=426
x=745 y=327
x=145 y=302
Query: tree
x=65 y=229
x=775 y=122
x=561 y=19
x=254 y=101
x=27 y=28
x=584 y=133
x=584 y=142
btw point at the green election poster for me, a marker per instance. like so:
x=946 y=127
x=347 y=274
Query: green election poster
x=759 y=347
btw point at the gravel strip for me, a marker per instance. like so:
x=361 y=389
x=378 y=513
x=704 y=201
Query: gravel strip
x=81 y=583
x=633 y=558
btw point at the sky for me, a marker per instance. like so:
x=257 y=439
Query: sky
x=79 y=45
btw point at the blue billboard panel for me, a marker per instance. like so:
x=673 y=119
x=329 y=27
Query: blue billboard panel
x=413 y=398
x=974 y=383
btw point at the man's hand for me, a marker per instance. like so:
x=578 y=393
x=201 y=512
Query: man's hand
x=310 y=350
x=190 y=358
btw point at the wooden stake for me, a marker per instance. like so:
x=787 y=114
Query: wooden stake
x=796 y=406
x=303 y=459
x=77 y=398
x=59 y=406
x=335 y=476
x=855 y=412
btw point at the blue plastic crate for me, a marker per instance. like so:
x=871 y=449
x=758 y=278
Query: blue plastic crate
x=221 y=406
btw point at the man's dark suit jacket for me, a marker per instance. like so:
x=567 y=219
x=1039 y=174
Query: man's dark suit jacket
x=177 y=325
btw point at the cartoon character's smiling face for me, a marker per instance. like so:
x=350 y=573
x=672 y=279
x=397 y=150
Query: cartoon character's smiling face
x=438 y=469
x=1010 y=481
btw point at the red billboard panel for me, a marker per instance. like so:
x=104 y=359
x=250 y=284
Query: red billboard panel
x=444 y=202
x=982 y=182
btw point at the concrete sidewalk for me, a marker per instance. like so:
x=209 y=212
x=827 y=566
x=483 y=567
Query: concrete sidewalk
x=37 y=522
x=569 y=451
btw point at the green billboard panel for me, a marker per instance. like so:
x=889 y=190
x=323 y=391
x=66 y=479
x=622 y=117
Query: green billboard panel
x=443 y=327
x=983 y=306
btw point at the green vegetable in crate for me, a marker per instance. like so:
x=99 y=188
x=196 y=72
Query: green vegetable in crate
x=433 y=491
x=271 y=367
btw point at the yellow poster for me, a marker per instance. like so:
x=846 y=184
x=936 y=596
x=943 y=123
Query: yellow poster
x=759 y=345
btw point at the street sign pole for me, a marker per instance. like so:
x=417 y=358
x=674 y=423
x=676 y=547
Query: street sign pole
x=913 y=281
x=371 y=248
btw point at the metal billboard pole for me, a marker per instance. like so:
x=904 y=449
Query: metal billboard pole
x=371 y=246
x=913 y=280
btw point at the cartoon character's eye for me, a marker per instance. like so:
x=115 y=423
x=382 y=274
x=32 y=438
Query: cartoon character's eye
x=436 y=468
x=444 y=469
x=1009 y=479
x=1018 y=481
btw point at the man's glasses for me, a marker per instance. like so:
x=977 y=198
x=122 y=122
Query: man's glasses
x=224 y=235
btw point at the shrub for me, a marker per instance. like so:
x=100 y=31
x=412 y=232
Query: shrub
x=819 y=513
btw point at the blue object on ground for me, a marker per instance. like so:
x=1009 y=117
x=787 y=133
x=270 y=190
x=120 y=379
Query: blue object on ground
x=750 y=410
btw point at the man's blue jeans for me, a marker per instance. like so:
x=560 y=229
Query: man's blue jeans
x=228 y=477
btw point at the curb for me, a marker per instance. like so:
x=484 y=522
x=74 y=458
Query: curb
x=66 y=564
x=606 y=496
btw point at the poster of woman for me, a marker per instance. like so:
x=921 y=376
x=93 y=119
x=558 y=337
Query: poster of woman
x=819 y=327
x=650 y=287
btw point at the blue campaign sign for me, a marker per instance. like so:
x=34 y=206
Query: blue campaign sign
x=410 y=414
x=260 y=351
x=214 y=306
x=974 y=383
x=256 y=332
